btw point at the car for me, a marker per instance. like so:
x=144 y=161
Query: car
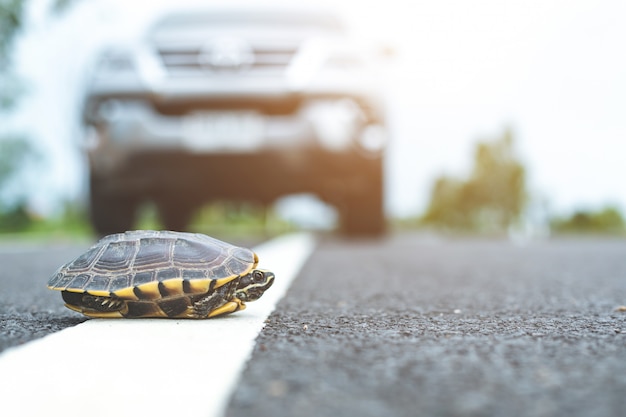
x=241 y=105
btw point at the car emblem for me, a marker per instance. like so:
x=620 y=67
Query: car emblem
x=226 y=53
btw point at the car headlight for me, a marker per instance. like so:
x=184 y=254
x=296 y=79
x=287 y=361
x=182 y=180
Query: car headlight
x=115 y=62
x=110 y=110
x=373 y=140
x=336 y=122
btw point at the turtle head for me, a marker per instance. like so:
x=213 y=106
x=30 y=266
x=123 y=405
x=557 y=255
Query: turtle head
x=252 y=286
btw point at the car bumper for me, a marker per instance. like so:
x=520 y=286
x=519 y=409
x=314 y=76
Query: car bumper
x=259 y=177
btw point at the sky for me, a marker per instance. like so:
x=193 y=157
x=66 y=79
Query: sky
x=552 y=71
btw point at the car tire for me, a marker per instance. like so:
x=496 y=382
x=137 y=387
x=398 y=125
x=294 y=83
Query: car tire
x=110 y=212
x=175 y=214
x=363 y=215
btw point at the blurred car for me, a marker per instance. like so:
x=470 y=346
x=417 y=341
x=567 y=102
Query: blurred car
x=236 y=105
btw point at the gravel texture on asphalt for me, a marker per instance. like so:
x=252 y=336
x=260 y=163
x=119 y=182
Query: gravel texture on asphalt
x=415 y=325
x=28 y=310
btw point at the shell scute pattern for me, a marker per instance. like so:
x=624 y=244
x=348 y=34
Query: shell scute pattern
x=153 y=254
x=62 y=281
x=86 y=260
x=99 y=283
x=170 y=273
x=121 y=281
x=196 y=254
x=244 y=255
x=137 y=259
x=143 y=278
x=191 y=274
x=80 y=281
x=116 y=257
x=221 y=271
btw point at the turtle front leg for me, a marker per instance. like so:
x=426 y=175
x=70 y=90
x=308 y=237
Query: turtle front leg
x=230 y=307
x=215 y=304
x=201 y=307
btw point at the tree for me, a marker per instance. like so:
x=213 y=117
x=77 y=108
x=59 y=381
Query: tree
x=15 y=149
x=491 y=199
x=11 y=18
x=15 y=152
x=607 y=220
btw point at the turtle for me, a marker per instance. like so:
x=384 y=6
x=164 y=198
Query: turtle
x=148 y=273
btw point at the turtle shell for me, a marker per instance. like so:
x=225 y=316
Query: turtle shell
x=150 y=265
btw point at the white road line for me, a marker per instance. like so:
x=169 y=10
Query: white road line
x=150 y=367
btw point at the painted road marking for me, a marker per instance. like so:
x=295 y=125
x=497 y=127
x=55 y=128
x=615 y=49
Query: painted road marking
x=149 y=367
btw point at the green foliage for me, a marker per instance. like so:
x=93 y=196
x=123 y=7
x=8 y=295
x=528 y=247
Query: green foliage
x=59 y=6
x=608 y=220
x=15 y=219
x=71 y=222
x=11 y=88
x=238 y=218
x=490 y=200
x=229 y=218
x=15 y=153
x=148 y=217
x=11 y=19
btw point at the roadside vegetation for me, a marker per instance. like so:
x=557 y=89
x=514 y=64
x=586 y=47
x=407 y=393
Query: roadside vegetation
x=608 y=220
x=491 y=199
x=224 y=218
x=494 y=199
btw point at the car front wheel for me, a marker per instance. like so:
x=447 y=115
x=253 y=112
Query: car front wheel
x=110 y=212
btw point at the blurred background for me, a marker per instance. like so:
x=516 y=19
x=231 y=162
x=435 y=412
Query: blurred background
x=490 y=117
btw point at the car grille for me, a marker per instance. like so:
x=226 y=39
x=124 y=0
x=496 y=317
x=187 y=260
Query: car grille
x=272 y=59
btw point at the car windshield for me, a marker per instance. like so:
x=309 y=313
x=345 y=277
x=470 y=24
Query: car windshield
x=211 y=21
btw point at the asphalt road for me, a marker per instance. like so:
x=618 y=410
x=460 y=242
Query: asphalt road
x=434 y=327
x=28 y=310
x=410 y=325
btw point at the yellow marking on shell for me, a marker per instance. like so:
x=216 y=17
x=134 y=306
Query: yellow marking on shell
x=69 y=289
x=98 y=293
x=199 y=286
x=126 y=293
x=103 y=314
x=222 y=281
x=150 y=290
x=230 y=307
x=174 y=286
x=74 y=308
x=97 y=314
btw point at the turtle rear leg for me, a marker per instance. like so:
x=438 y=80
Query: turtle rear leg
x=94 y=306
